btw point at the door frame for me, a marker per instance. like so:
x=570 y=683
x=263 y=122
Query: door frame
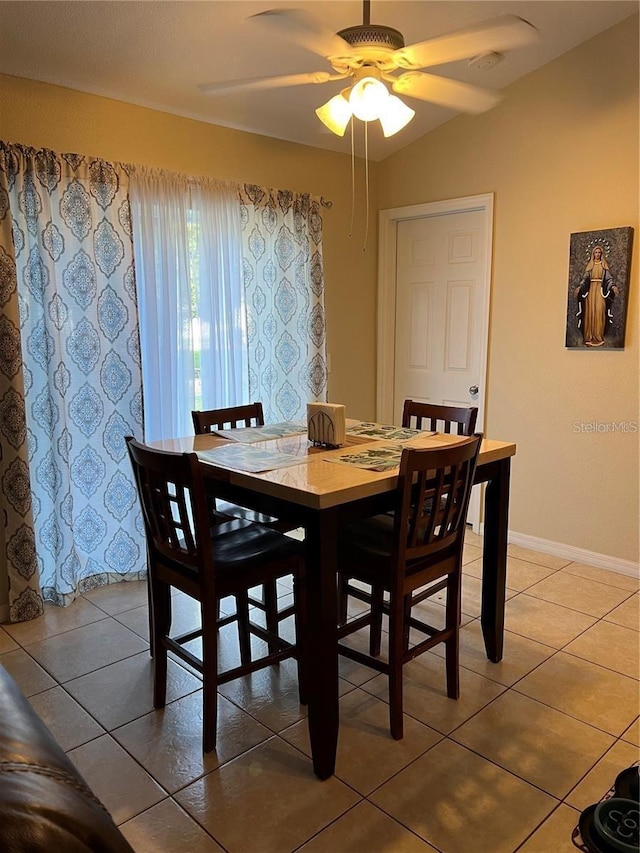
x=387 y=285
x=387 y=240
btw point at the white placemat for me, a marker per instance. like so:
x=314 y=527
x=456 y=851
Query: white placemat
x=388 y=432
x=372 y=459
x=249 y=435
x=244 y=457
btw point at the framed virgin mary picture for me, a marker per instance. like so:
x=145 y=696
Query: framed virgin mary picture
x=599 y=274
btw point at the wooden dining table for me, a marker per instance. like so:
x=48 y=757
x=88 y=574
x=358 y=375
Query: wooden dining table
x=319 y=497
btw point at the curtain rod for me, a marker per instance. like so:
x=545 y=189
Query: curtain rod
x=133 y=168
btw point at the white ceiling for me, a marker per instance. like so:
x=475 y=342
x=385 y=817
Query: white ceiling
x=156 y=53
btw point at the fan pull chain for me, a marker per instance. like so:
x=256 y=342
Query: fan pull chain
x=353 y=177
x=366 y=184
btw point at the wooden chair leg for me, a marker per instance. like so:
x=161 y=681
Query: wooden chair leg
x=244 y=637
x=375 y=630
x=396 y=633
x=150 y=609
x=161 y=604
x=270 y=593
x=343 y=598
x=209 y=679
x=453 y=669
x=299 y=596
x=407 y=616
x=152 y=641
x=452 y=644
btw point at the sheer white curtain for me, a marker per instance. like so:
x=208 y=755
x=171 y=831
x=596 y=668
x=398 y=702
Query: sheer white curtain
x=187 y=250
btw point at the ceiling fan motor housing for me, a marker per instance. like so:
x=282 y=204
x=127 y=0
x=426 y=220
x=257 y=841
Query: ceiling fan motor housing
x=372 y=44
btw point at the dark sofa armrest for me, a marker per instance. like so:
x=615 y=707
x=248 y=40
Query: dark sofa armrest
x=45 y=804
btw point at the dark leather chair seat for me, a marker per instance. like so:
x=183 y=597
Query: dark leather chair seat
x=45 y=805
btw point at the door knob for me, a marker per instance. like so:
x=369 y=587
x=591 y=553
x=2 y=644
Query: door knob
x=473 y=389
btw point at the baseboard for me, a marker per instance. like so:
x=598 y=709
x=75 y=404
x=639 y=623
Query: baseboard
x=576 y=555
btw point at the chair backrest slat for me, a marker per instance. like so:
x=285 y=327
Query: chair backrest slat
x=229 y=418
x=434 y=489
x=174 y=507
x=439 y=418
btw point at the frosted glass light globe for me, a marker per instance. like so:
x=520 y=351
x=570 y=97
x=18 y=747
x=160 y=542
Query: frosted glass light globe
x=368 y=98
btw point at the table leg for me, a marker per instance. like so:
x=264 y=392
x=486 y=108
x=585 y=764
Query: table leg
x=494 y=561
x=322 y=643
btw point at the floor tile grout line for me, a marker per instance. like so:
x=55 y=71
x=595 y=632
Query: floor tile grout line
x=82 y=674
x=171 y=794
x=575 y=609
x=108 y=586
x=542 y=822
x=142 y=811
x=567 y=714
x=203 y=828
x=505 y=769
x=527 y=593
x=79 y=627
x=534 y=563
x=579 y=634
x=608 y=668
x=145 y=771
x=375 y=806
x=58 y=633
x=324 y=828
x=121 y=725
x=584 y=776
x=410 y=763
x=88 y=712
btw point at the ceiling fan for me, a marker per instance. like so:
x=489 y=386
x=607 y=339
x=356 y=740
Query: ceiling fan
x=370 y=55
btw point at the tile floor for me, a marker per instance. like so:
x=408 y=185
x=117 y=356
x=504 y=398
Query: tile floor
x=508 y=767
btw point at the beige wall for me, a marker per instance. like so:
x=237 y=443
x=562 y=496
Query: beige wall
x=41 y=115
x=561 y=155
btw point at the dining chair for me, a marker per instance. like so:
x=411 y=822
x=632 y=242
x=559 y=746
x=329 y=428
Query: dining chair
x=209 y=563
x=460 y=420
x=233 y=417
x=421 y=543
x=415 y=415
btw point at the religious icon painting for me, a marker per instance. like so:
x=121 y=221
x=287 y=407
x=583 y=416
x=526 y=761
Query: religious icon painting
x=599 y=274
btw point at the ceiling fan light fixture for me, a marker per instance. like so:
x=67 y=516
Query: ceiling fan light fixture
x=336 y=114
x=395 y=116
x=368 y=98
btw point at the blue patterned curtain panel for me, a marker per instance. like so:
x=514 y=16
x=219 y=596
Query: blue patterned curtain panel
x=18 y=541
x=284 y=296
x=81 y=354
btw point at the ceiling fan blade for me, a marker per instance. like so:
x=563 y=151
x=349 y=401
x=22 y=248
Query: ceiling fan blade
x=501 y=33
x=259 y=83
x=445 y=92
x=301 y=28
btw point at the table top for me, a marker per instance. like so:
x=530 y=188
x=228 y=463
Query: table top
x=315 y=483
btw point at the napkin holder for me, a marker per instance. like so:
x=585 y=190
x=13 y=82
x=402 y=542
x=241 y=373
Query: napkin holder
x=326 y=424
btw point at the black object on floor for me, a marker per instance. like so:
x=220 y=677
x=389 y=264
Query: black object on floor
x=613 y=824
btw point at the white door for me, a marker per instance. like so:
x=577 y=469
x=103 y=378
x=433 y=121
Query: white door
x=440 y=306
x=435 y=275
